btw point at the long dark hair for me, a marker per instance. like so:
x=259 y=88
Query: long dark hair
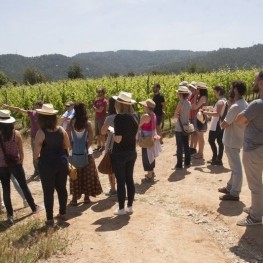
x=80 y=116
x=7 y=130
x=112 y=109
x=47 y=121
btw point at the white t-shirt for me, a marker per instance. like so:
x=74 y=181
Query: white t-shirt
x=215 y=119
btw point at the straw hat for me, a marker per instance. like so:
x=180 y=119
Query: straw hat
x=149 y=103
x=184 y=83
x=201 y=85
x=47 y=109
x=5 y=117
x=183 y=89
x=125 y=98
x=192 y=84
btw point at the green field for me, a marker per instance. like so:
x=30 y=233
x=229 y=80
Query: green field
x=59 y=92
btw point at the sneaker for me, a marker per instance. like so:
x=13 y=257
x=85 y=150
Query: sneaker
x=147 y=179
x=111 y=193
x=248 y=221
x=38 y=209
x=217 y=162
x=229 y=197
x=25 y=203
x=193 y=151
x=178 y=167
x=246 y=210
x=129 y=209
x=210 y=161
x=223 y=190
x=120 y=212
x=10 y=220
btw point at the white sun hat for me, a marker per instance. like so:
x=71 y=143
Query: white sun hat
x=125 y=98
x=5 y=117
x=47 y=109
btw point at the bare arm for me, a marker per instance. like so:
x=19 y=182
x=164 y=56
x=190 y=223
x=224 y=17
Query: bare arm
x=224 y=125
x=90 y=134
x=241 y=119
x=20 y=145
x=197 y=105
x=15 y=108
x=40 y=137
x=216 y=113
x=104 y=128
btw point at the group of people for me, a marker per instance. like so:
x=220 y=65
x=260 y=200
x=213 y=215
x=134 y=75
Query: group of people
x=234 y=124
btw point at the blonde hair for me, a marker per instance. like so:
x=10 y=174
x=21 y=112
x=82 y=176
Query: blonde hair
x=122 y=108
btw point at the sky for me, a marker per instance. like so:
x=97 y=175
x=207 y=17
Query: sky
x=68 y=27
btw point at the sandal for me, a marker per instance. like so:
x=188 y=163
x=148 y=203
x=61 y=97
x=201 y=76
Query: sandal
x=147 y=179
x=198 y=156
x=73 y=203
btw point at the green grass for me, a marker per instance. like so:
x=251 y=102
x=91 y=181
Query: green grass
x=31 y=241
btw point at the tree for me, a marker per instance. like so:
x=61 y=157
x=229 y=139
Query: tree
x=33 y=76
x=75 y=72
x=3 y=79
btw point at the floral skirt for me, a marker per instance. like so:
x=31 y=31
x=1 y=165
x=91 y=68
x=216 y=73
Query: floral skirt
x=87 y=182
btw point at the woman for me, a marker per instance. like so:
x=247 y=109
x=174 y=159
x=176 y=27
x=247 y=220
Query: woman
x=182 y=114
x=215 y=132
x=148 y=128
x=124 y=150
x=108 y=127
x=81 y=135
x=51 y=148
x=191 y=98
x=201 y=99
x=11 y=148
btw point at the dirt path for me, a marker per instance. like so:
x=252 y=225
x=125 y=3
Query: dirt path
x=179 y=218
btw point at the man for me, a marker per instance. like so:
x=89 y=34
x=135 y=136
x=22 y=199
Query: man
x=233 y=141
x=252 y=118
x=32 y=114
x=100 y=107
x=159 y=109
x=68 y=114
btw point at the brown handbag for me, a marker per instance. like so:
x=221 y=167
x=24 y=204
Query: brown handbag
x=105 y=166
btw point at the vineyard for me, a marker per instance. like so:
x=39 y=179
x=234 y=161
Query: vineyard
x=59 y=92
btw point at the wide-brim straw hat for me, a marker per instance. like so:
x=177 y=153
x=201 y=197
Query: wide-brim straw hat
x=47 y=109
x=125 y=98
x=183 y=89
x=201 y=85
x=149 y=103
x=5 y=117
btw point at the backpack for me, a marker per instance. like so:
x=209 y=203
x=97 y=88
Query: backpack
x=79 y=155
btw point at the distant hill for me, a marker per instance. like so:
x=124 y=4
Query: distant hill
x=96 y=64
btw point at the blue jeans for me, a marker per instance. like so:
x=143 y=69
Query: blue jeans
x=123 y=165
x=54 y=177
x=182 y=143
x=235 y=182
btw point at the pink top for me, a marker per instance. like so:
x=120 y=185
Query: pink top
x=100 y=102
x=11 y=148
x=151 y=125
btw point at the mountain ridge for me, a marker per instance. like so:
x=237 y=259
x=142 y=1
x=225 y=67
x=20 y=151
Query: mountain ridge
x=122 y=62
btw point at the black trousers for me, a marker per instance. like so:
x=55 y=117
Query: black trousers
x=216 y=136
x=54 y=177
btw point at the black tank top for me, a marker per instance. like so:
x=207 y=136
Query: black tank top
x=53 y=146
